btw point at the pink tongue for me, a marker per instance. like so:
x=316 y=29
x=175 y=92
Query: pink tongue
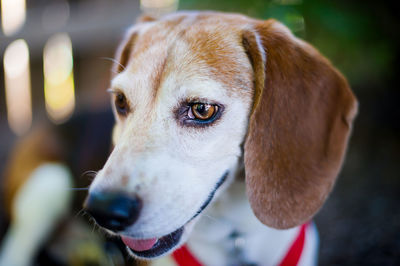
x=139 y=244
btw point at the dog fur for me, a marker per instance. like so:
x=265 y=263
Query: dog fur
x=285 y=118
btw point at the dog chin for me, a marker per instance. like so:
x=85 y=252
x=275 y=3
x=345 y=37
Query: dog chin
x=158 y=246
x=152 y=248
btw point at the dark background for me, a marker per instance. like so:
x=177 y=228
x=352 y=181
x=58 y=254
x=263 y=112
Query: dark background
x=360 y=223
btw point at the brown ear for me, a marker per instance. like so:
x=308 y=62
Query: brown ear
x=124 y=52
x=125 y=49
x=298 y=130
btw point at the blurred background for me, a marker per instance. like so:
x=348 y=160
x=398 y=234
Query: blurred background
x=56 y=59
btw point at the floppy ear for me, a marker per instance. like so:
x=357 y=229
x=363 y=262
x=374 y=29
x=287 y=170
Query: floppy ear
x=125 y=49
x=124 y=52
x=298 y=129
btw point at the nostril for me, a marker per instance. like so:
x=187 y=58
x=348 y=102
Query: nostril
x=112 y=210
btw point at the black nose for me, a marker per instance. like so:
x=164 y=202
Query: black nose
x=114 y=211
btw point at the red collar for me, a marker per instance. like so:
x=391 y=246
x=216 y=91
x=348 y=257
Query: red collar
x=183 y=256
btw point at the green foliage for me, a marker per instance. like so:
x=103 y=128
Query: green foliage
x=345 y=32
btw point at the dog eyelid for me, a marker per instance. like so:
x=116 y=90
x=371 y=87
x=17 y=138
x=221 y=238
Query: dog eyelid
x=120 y=102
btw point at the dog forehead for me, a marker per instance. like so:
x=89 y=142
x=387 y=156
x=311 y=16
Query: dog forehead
x=192 y=44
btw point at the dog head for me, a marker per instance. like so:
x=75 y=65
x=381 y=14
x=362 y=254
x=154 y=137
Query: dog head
x=197 y=95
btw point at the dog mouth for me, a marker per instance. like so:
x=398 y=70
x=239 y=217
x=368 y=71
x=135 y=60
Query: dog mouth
x=153 y=247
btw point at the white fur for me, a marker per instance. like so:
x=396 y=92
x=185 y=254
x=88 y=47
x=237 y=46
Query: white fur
x=174 y=168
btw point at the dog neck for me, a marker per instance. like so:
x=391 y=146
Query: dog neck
x=220 y=235
x=230 y=234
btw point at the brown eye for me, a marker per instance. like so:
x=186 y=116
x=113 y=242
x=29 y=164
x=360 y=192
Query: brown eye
x=202 y=111
x=121 y=104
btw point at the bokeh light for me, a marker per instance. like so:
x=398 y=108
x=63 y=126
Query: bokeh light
x=18 y=86
x=59 y=78
x=13 y=15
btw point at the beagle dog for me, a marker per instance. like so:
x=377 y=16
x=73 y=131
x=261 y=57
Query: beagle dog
x=213 y=108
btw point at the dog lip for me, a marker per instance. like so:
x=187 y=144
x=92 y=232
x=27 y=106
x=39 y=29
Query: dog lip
x=211 y=195
x=163 y=245
x=167 y=242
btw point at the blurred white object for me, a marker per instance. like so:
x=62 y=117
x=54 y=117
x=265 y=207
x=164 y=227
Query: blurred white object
x=13 y=14
x=18 y=86
x=38 y=206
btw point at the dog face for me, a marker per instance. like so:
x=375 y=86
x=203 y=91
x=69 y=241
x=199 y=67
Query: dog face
x=187 y=90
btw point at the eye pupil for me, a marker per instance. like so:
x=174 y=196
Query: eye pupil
x=121 y=101
x=201 y=108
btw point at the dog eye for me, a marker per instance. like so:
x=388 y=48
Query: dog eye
x=121 y=104
x=198 y=114
x=202 y=111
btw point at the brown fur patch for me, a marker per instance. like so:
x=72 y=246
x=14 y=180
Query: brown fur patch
x=158 y=76
x=223 y=55
x=145 y=18
x=157 y=34
x=298 y=131
x=124 y=53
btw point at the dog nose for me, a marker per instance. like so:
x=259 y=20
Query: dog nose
x=112 y=210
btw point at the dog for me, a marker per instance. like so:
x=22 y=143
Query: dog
x=213 y=109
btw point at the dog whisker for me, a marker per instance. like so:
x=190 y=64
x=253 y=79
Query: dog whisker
x=78 y=188
x=91 y=219
x=82 y=212
x=90 y=173
x=212 y=218
x=110 y=259
x=114 y=61
x=96 y=228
